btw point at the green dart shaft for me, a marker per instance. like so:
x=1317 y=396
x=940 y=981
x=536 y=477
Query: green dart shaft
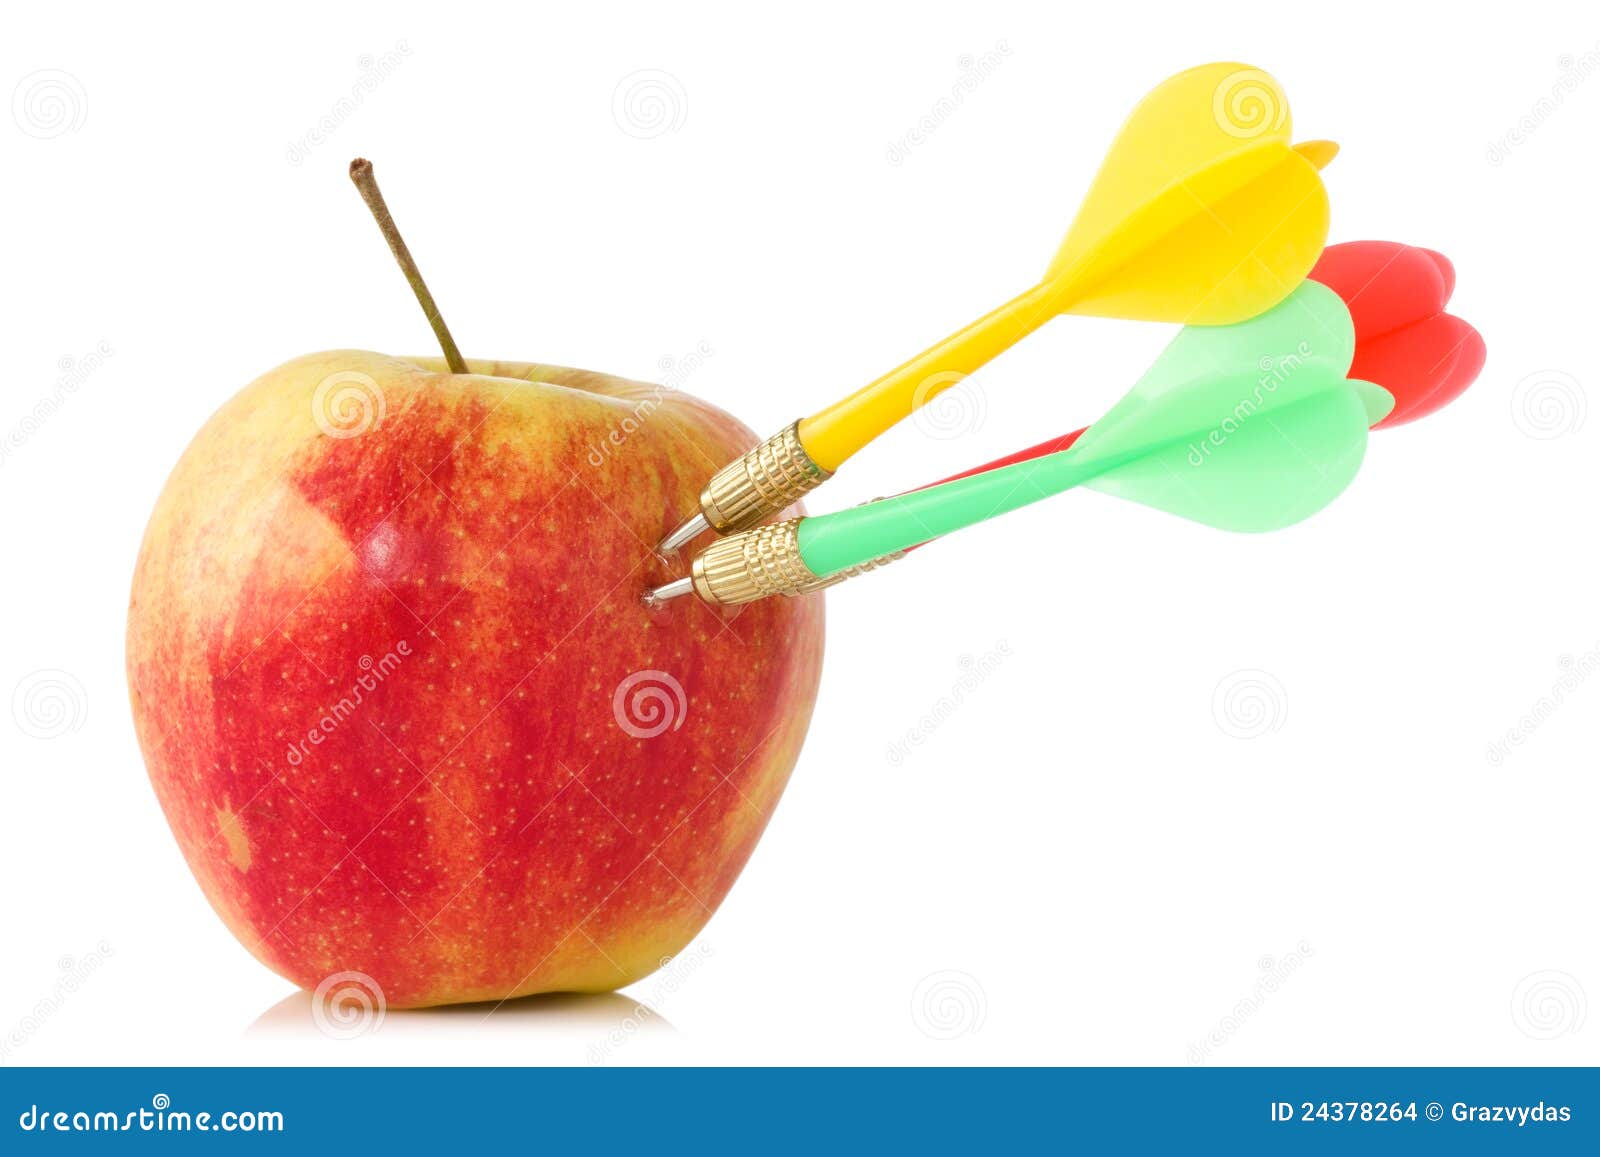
x=831 y=542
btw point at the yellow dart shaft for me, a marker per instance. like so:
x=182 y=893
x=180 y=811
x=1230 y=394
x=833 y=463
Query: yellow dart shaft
x=833 y=434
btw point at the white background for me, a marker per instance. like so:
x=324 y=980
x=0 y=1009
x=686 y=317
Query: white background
x=1119 y=862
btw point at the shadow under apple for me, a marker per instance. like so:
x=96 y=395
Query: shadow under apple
x=599 y=1013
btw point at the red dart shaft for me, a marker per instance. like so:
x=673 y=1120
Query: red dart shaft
x=1047 y=447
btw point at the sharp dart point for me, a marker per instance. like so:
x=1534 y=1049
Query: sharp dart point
x=665 y=593
x=686 y=533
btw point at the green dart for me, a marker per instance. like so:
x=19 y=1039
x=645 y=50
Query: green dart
x=1247 y=427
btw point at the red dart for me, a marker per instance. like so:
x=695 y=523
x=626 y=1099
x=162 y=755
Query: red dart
x=1405 y=342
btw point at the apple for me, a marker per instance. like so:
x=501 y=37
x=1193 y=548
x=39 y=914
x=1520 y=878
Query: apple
x=401 y=702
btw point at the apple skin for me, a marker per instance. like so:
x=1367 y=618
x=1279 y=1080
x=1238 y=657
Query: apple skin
x=438 y=577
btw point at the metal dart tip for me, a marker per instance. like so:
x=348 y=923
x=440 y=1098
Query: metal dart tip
x=690 y=530
x=666 y=592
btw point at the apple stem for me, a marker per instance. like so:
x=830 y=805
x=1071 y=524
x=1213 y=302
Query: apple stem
x=361 y=174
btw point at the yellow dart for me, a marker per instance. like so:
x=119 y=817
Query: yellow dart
x=1202 y=213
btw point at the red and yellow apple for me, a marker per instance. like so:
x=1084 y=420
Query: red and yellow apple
x=400 y=700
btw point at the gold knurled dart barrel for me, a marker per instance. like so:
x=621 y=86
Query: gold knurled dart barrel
x=751 y=488
x=763 y=562
x=762 y=482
